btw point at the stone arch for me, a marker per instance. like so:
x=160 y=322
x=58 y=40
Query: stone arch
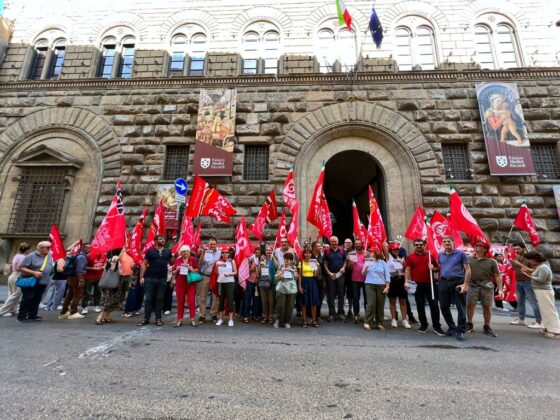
x=136 y=22
x=271 y=14
x=360 y=20
x=520 y=18
x=84 y=134
x=200 y=17
x=57 y=23
x=400 y=149
x=411 y=7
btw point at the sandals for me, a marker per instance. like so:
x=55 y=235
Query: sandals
x=304 y=324
x=99 y=321
x=194 y=323
x=314 y=324
x=246 y=320
x=159 y=322
x=179 y=323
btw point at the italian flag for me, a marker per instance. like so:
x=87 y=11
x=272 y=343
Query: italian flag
x=343 y=14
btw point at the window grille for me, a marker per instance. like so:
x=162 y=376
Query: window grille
x=456 y=162
x=176 y=162
x=546 y=160
x=39 y=200
x=255 y=164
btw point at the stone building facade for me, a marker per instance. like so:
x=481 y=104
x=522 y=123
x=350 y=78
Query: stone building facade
x=402 y=122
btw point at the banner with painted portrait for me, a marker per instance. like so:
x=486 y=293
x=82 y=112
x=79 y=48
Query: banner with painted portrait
x=166 y=194
x=215 y=130
x=505 y=133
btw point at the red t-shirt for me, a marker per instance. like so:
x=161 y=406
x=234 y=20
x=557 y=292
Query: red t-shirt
x=95 y=265
x=419 y=270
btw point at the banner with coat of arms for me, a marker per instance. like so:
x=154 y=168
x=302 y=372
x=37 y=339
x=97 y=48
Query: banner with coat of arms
x=215 y=131
x=503 y=126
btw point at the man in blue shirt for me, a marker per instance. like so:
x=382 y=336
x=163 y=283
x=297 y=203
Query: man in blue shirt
x=455 y=275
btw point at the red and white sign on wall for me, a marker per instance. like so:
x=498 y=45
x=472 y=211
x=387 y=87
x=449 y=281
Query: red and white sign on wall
x=505 y=134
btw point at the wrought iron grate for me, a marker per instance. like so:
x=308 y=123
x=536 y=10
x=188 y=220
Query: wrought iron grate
x=255 y=164
x=546 y=160
x=39 y=200
x=456 y=161
x=176 y=162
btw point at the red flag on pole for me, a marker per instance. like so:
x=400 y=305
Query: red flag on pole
x=57 y=246
x=417 y=227
x=294 y=225
x=198 y=197
x=376 y=227
x=157 y=227
x=282 y=232
x=242 y=252
x=111 y=234
x=135 y=244
x=318 y=214
x=440 y=225
x=207 y=201
x=462 y=221
x=432 y=243
x=525 y=222
x=360 y=232
x=187 y=234
x=197 y=240
x=267 y=214
x=289 y=192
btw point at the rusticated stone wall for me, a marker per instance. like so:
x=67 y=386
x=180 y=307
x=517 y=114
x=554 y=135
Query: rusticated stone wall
x=138 y=118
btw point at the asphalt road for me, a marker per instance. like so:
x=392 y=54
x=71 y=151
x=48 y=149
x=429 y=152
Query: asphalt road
x=75 y=369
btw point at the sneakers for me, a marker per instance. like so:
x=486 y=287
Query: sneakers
x=219 y=322
x=59 y=308
x=64 y=316
x=470 y=327
x=489 y=332
x=167 y=312
x=536 y=325
x=7 y=314
x=202 y=320
x=276 y=324
x=439 y=331
x=84 y=311
x=394 y=323
x=518 y=322
x=406 y=324
x=423 y=329
x=287 y=326
x=76 y=316
x=460 y=336
x=230 y=323
x=97 y=309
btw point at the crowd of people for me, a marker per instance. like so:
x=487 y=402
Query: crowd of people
x=207 y=281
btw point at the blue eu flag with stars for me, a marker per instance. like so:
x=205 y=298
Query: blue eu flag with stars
x=375 y=28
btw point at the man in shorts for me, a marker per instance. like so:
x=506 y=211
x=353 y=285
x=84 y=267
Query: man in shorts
x=484 y=272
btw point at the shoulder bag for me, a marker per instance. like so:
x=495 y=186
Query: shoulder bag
x=111 y=277
x=24 y=281
x=194 y=277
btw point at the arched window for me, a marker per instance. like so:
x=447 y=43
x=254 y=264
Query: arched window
x=335 y=47
x=188 y=51
x=117 y=53
x=48 y=55
x=347 y=49
x=415 y=47
x=260 y=48
x=496 y=42
x=326 y=52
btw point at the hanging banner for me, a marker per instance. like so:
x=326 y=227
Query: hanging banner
x=215 y=130
x=166 y=193
x=505 y=134
x=556 y=189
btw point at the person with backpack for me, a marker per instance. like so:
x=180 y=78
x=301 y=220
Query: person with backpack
x=75 y=269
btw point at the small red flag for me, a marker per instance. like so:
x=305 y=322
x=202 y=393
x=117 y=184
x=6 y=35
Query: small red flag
x=360 y=232
x=289 y=192
x=135 y=244
x=207 y=201
x=157 y=227
x=525 y=222
x=282 y=232
x=267 y=214
x=417 y=227
x=197 y=240
x=187 y=234
x=57 y=246
x=242 y=252
x=462 y=221
x=318 y=214
x=376 y=227
x=440 y=225
x=294 y=225
x=111 y=234
x=432 y=243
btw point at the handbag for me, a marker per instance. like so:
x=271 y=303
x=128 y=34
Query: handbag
x=264 y=282
x=31 y=281
x=194 y=277
x=111 y=278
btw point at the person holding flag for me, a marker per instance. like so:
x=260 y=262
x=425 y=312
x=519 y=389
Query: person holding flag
x=418 y=270
x=455 y=275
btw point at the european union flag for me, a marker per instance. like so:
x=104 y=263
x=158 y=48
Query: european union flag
x=375 y=28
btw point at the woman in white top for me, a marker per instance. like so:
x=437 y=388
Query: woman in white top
x=227 y=270
x=10 y=306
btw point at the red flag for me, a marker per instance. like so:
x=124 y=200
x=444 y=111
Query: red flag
x=294 y=225
x=78 y=247
x=462 y=221
x=289 y=193
x=242 y=252
x=417 y=227
x=376 y=228
x=134 y=248
x=434 y=246
x=298 y=248
x=111 y=234
x=197 y=240
x=218 y=207
x=187 y=234
x=525 y=222
x=318 y=214
x=360 y=232
x=267 y=214
x=282 y=232
x=440 y=225
x=198 y=197
x=157 y=227
x=57 y=246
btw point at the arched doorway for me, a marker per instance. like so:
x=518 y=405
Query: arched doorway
x=348 y=175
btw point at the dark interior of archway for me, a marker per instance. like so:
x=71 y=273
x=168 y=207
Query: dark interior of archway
x=347 y=176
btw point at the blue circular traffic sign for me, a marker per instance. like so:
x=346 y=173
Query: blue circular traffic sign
x=181 y=186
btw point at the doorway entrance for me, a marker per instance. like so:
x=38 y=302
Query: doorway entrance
x=347 y=177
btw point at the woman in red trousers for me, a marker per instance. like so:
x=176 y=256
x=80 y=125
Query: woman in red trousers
x=183 y=265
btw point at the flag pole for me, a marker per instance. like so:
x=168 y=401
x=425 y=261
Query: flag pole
x=509 y=234
x=431 y=274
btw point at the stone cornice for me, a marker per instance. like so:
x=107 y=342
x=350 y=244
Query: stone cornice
x=362 y=78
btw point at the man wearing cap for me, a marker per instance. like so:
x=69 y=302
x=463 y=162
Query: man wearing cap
x=455 y=274
x=210 y=256
x=484 y=271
